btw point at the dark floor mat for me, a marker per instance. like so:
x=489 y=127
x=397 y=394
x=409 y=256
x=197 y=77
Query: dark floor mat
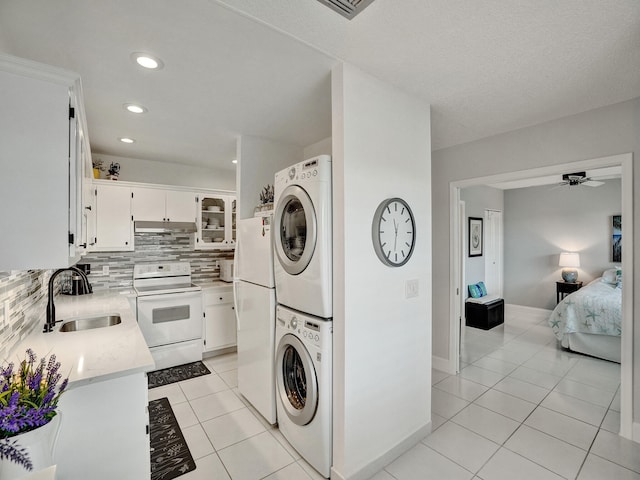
x=177 y=374
x=170 y=456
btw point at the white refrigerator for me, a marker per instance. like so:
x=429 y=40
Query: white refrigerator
x=255 y=297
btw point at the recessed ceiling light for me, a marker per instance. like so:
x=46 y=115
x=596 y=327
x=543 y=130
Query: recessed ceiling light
x=133 y=108
x=234 y=161
x=147 y=61
x=126 y=140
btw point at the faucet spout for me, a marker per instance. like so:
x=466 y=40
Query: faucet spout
x=50 y=322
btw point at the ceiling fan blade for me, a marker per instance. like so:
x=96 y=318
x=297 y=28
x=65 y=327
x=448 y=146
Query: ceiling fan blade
x=592 y=183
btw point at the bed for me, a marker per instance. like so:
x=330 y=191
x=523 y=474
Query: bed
x=589 y=321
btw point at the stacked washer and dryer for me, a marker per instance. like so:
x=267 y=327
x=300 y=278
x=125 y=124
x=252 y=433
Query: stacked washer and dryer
x=304 y=330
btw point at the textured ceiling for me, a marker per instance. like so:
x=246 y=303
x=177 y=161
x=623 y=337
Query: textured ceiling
x=262 y=68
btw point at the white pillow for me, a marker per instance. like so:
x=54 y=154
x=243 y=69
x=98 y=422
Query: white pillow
x=610 y=276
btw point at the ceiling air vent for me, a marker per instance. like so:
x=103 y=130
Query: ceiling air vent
x=347 y=8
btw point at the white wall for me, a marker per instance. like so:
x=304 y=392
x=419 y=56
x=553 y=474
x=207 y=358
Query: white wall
x=382 y=341
x=541 y=222
x=164 y=173
x=477 y=200
x=323 y=147
x=258 y=161
x=598 y=133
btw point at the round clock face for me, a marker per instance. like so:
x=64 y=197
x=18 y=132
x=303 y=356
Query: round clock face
x=393 y=232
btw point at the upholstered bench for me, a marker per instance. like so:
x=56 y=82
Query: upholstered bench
x=484 y=312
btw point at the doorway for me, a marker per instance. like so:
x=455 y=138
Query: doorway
x=625 y=161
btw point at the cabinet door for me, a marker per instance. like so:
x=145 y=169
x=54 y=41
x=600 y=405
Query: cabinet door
x=220 y=326
x=148 y=204
x=181 y=206
x=114 y=227
x=211 y=222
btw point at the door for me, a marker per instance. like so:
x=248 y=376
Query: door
x=148 y=205
x=254 y=252
x=114 y=226
x=296 y=380
x=493 y=252
x=295 y=231
x=255 y=310
x=170 y=318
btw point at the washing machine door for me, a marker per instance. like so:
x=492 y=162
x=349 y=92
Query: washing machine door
x=296 y=380
x=295 y=229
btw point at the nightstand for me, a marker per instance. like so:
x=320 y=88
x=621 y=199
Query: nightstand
x=565 y=288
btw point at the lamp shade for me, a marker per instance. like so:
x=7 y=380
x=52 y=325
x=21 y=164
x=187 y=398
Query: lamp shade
x=569 y=259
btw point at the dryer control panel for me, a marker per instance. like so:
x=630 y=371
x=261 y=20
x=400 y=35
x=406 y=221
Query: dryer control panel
x=310 y=331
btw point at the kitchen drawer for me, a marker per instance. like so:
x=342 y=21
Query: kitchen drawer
x=218 y=298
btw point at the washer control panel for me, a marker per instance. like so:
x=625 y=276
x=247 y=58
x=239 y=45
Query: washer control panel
x=308 y=330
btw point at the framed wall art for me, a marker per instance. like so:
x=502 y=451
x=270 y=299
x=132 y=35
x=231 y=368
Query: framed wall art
x=475 y=237
x=616 y=238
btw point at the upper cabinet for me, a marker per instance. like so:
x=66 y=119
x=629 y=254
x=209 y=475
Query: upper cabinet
x=216 y=222
x=114 y=222
x=46 y=162
x=157 y=205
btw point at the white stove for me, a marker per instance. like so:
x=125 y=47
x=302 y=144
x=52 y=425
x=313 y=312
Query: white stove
x=169 y=310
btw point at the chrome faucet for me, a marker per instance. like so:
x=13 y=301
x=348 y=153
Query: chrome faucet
x=51 y=309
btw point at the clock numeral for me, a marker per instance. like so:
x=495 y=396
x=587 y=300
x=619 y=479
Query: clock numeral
x=403 y=254
x=402 y=212
x=407 y=220
x=396 y=258
x=396 y=205
x=382 y=246
x=407 y=244
x=383 y=219
x=388 y=210
x=388 y=253
x=381 y=232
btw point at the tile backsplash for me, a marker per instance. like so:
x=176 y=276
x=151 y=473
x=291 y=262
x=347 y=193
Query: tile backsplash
x=23 y=294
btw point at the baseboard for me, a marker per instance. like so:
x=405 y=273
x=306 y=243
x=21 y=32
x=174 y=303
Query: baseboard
x=442 y=364
x=635 y=432
x=369 y=470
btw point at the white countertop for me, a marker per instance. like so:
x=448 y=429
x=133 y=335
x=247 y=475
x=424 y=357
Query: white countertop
x=92 y=355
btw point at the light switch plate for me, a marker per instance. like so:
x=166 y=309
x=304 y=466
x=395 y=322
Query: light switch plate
x=412 y=288
x=105 y=269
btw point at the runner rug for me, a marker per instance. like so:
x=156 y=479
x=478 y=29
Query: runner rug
x=170 y=456
x=177 y=374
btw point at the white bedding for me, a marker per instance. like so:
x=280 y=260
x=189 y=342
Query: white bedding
x=595 y=309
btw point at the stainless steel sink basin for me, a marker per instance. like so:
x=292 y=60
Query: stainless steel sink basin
x=88 y=323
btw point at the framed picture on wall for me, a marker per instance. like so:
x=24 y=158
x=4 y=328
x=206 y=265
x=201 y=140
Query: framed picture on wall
x=616 y=239
x=475 y=237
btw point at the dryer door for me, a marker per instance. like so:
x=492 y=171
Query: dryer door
x=295 y=229
x=296 y=380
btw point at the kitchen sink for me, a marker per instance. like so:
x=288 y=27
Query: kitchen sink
x=89 y=323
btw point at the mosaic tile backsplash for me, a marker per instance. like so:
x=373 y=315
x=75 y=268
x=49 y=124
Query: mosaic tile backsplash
x=23 y=294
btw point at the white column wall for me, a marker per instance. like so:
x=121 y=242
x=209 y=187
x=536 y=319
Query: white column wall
x=382 y=341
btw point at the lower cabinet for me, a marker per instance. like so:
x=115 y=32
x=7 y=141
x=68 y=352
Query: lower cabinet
x=219 y=318
x=104 y=431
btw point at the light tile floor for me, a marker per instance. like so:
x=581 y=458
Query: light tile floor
x=520 y=409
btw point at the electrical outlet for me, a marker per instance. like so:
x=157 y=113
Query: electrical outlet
x=411 y=288
x=105 y=269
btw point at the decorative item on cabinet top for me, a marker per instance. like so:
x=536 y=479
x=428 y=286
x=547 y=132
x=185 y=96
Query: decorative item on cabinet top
x=266 y=201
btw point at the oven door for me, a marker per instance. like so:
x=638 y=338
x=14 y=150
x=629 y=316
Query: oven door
x=170 y=318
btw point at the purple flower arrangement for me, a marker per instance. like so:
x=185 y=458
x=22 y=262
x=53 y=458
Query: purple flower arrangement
x=28 y=400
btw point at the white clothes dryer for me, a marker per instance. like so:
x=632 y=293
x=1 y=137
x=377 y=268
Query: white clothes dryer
x=303 y=236
x=304 y=385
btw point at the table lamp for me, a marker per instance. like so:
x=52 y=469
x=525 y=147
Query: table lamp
x=572 y=260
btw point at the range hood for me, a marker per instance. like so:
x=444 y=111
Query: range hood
x=164 y=227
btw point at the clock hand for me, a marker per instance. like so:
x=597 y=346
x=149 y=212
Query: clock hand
x=395 y=240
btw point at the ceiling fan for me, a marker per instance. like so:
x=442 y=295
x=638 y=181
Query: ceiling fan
x=579 y=178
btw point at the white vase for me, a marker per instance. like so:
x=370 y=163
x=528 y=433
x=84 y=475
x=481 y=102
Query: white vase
x=39 y=444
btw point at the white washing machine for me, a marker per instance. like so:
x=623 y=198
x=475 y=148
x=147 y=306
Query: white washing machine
x=303 y=236
x=304 y=385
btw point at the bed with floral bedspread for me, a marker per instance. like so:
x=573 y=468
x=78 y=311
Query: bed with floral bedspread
x=591 y=315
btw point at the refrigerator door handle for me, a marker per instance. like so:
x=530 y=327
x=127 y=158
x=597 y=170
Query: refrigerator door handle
x=235 y=304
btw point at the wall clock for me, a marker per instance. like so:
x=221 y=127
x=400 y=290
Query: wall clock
x=393 y=232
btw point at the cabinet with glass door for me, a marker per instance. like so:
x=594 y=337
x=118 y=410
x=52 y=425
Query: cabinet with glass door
x=216 y=222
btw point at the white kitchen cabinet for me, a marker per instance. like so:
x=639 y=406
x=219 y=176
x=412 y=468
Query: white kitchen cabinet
x=160 y=205
x=46 y=161
x=114 y=222
x=220 y=329
x=216 y=222
x=104 y=430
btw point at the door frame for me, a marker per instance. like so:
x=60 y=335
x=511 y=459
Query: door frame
x=627 y=427
x=499 y=253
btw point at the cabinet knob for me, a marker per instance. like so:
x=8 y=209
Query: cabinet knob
x=126 y=243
